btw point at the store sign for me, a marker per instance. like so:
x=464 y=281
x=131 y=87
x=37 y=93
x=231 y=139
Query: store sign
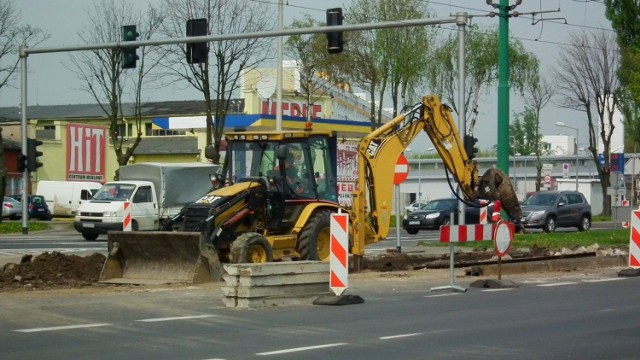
x=292 y=109
x=86 y=152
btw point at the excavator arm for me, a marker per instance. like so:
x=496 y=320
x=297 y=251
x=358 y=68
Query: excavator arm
x=379 y=151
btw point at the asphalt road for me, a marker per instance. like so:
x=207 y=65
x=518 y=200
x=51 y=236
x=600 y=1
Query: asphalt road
x=564 y=316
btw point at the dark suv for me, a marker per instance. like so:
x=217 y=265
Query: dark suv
x=549 y=210
x=38 y=208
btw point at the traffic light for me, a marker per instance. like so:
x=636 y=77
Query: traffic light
x=129 y=54
x=22 y=163
x=197 y=52
x=470 y=146
x=33 y=154
x=334 y=38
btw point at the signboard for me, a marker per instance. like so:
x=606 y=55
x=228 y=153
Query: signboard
x=339 y=246
x=86 y=152
x=401 y=170
x=546 y=169
x=347 y=172
x=502 y=238
x=616 y=161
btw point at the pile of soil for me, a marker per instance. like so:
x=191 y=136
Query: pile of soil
x=52 y=270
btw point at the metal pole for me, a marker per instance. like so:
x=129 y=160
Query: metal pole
x=398 y=246
x=577 y=157
x=419 y=187
x=503 y=86
x=23 y=128
x=461 y=21
x=279 y=69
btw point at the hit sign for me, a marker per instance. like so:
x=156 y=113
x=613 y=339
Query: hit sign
x=86 y=152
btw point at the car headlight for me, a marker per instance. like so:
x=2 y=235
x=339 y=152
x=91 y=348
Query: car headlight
x=539 y=213
x=432 y=215
x=110 y=214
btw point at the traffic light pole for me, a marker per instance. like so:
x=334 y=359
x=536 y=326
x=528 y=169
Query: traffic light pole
x=460 y=19
x=23 y=129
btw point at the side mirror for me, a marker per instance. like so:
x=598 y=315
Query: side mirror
x=282 y=152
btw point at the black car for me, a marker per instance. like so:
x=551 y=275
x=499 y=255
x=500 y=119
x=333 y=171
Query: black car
x=438 y=212
x=549 y=210
x=38 y=208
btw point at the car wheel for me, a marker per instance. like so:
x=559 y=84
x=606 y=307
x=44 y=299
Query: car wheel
x=550 y=224
x=412 y=231
x=89 y=236
x=585 y=223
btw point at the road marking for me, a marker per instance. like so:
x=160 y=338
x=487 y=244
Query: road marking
x=305 y=348
x=558 y=284
x=441 y=295
x=602 y=280
x=494 y=290
x=398 y=336
x=175 y=318
x=55 y=328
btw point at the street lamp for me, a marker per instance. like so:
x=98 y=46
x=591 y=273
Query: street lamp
x=561 y=124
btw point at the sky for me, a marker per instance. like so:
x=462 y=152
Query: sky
x=50 y=82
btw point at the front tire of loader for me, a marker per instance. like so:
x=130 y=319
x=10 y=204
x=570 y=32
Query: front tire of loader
x=250 y=248
x=315 y=238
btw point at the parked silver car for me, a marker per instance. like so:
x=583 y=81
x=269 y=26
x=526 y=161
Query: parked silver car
x=549 y=210
x=11 y=208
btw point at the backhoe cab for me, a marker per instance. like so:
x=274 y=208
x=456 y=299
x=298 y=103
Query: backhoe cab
x=272 y=200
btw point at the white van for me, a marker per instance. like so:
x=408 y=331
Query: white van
x=64 y=197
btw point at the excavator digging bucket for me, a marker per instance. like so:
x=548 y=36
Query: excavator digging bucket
x=495 y=185
x=159 y=257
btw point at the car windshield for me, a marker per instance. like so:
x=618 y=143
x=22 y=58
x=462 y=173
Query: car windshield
x=541 y=199
x=437 y=205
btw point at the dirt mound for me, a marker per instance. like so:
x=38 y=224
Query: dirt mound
x=52 y=270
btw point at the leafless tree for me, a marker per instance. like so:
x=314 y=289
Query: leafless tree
x=587 y=81
x=101 y=70
x=13 y=35
x=537 y=94
x=220 y=76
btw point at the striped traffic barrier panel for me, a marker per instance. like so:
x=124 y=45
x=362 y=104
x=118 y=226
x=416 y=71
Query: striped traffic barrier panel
x=126 y=216
x=497 y=206
x=339 y=260
x=634 y=242
x=625 y=224
x=483 y=211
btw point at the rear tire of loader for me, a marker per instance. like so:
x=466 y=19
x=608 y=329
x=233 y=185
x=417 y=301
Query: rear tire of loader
x=250 y=248
x=315 y=238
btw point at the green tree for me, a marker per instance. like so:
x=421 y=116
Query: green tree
x=387 y=59
x=624 y=16
x=526 y=137
x=481 y=68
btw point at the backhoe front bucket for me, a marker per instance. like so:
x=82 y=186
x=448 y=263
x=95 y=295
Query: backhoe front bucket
x=159 y=257
x=495 y=185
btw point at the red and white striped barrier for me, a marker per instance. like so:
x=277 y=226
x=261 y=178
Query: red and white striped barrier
x=634 y=242
x=483 y=212
x=126 y=216
x=468 y=233
x=339 y=261
x=495 y=216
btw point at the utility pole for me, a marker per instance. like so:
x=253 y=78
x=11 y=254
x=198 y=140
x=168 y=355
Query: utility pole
x=503 y=81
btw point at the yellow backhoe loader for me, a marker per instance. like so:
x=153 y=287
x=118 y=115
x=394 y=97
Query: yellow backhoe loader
x=277 y=189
